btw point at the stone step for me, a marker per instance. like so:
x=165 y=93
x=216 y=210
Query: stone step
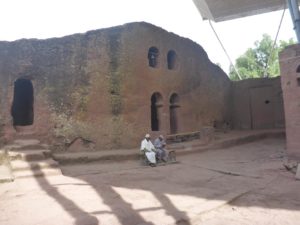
x=3 y=156
x=37 y=173
x=26 y=135
x=22 y=131
x=29 y=147
x=5 y=174
x=18 y=165
x=26 y=144
x=29 y=155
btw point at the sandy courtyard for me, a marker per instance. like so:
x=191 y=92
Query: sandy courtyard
x=241 y=185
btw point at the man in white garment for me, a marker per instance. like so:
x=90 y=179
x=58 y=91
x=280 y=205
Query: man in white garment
x=149 y=150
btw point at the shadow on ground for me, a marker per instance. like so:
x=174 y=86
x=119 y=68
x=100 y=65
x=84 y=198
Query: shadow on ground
x=241 y=179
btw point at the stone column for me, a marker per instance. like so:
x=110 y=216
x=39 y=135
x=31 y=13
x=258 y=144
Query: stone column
x=290 y=81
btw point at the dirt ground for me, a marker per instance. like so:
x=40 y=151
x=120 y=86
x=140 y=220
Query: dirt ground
x=241 y=185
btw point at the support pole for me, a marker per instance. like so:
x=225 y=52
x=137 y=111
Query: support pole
x=295 y=14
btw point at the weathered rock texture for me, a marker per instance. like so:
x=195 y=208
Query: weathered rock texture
x=99 y=85
x=290 y=81
x=257 y=104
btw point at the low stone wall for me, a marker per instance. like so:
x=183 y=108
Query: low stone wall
x=206 y=134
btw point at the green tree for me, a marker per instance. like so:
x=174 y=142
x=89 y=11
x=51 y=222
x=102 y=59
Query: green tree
x=260 y=61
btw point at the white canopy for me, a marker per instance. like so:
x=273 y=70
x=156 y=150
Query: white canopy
x=221 y=10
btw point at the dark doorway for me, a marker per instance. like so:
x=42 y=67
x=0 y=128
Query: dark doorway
x=156 y=103
x=174 y=105
x=22 y=106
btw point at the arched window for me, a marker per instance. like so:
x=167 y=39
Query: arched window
x=174 y=105
x=22 y=106
x=156 y=104
x=172 y=60
x=153 y=54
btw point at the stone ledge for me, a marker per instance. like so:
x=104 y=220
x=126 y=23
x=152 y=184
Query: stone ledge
x=181 y=148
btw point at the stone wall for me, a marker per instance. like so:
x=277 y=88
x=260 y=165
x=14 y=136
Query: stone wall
x=257 y=104
x=203 y=88
x=66 y=74
x=290 y=81
x=99 y=85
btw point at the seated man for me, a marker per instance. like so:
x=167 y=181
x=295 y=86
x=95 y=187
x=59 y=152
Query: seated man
x=149 y=150
x=160 y=145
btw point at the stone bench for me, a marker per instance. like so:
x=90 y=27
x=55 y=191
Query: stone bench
x=181 y=137
x=171 y=158
x=206 y=134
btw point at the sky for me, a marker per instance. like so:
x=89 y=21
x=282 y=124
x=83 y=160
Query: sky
x=56 y=18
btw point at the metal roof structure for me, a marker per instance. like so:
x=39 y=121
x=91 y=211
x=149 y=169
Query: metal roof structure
x=221 y=10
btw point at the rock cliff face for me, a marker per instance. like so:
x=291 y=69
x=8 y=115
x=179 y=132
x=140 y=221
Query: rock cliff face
x=289 y=60
x=102 y=85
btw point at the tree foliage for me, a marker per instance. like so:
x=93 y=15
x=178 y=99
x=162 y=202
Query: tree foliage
x=260 y=61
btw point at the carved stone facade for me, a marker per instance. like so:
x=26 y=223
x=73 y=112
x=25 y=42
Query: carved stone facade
x=114 y=85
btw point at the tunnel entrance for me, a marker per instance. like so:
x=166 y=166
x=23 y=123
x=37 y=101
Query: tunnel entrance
x=22 y=106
